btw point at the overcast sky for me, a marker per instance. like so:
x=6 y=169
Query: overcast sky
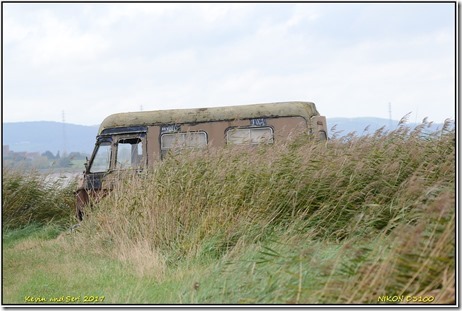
x=351 y=59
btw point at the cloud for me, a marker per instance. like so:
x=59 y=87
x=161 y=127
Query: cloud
x=94 y=59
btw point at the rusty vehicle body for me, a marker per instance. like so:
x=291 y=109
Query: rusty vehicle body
x=138 y=140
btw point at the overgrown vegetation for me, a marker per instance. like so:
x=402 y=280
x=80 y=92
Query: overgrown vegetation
x=348 y=221
x=46 y=161
x=29 y=197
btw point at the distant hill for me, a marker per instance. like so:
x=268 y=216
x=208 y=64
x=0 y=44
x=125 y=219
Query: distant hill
x=43 y=135
x=366 y=125
x=343 y=126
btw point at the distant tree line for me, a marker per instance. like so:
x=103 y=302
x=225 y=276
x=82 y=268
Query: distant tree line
x=46 y=160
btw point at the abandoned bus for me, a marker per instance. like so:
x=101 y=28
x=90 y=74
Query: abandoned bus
x=136 y=140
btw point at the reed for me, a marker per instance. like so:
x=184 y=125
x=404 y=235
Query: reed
x=30 y=197
x=303 y=222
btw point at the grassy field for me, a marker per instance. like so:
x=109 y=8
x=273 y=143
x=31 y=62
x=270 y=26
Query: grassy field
x=357 y=220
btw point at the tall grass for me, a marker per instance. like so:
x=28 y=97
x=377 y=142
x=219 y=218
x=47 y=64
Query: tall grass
x=386 y=198
x=303 y=222
x=29 y=197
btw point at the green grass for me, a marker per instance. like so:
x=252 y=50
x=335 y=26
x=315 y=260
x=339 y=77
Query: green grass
x=347 y=221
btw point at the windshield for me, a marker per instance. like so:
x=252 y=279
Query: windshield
x=102 y=158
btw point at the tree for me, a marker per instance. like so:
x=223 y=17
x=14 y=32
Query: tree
x=48 y=155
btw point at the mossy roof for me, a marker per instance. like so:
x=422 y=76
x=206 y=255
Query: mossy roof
x=198 y=115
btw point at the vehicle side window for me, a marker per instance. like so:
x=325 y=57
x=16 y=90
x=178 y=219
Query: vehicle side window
x=102 y=158
x=183 y=140
x=250 y=135
x=129 y=153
